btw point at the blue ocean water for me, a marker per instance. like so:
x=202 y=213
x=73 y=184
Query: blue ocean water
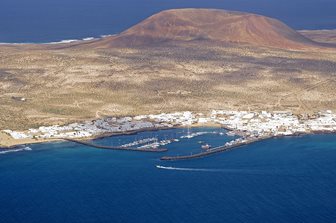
x=51 y=20
x=279 y=180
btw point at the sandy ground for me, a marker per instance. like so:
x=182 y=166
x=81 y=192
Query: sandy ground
x=44 y=86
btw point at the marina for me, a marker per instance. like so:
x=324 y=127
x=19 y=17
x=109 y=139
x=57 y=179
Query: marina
x=235 y=144
x=138 y=142
x=242 y=123
x=147 y=149
x=245 y=127
x=156 y=143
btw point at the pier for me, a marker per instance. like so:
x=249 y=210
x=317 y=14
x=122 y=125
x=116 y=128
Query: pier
x=116 y=147
x=212 y=151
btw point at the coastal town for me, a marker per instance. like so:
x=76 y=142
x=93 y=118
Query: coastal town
x=242 y=123
x=245 y=127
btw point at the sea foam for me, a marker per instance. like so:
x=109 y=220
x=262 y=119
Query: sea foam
x=26 y=148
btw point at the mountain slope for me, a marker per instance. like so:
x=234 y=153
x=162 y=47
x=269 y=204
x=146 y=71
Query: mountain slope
x=211 y=25
x=322 y=36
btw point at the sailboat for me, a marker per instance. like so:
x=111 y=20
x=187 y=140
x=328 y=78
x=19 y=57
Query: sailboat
x=189 y=135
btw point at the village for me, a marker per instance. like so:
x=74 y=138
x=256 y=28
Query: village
x=241 y=123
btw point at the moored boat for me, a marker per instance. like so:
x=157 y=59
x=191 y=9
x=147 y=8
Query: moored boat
x=206 y=146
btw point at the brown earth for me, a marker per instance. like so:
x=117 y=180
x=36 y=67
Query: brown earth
x=71 y=82
x=209 y=25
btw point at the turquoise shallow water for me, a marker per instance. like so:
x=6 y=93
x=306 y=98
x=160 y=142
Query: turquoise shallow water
x=279 y=180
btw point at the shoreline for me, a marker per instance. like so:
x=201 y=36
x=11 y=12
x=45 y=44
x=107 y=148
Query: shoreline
x=13 y=145
x=107 y=135
x=96 y=137
x=248 y=127
x=98 y=37
x=64 y=41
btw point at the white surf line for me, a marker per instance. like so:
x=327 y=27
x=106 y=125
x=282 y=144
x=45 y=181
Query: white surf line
x=15 y=150
x=56 y=42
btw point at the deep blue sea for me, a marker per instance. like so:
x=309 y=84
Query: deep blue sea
x=55 y=20
x=279 y=180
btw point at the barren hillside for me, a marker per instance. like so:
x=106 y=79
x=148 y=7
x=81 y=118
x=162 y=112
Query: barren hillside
x=57 y=84
x=209 y=25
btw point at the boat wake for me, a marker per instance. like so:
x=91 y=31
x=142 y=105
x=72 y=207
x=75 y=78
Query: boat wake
x=15 y=150
x=190 y=169
x=233 y=171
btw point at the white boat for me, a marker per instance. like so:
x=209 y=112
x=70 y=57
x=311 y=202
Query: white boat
x=206 y=146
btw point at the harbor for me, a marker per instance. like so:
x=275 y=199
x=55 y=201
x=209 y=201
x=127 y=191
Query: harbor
x=144 y=149
x=235 y=144
x=245 y=126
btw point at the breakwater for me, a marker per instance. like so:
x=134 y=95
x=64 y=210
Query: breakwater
x=213 y=151
x=116 y=147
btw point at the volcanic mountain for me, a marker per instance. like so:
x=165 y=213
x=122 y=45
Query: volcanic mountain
x=208 y=25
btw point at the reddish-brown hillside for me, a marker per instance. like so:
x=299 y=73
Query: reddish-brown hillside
x=209 y=24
